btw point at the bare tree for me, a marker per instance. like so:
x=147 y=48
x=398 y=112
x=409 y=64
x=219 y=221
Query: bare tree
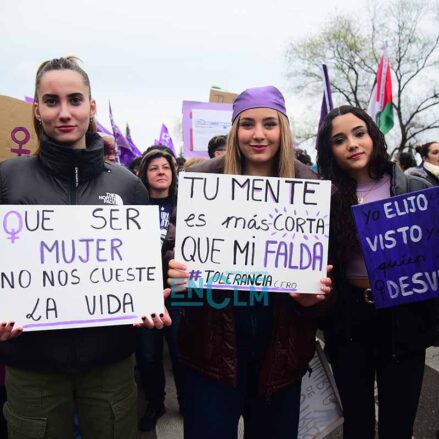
x=352 y=52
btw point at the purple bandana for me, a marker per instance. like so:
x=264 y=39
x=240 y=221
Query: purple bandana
x=259 y=97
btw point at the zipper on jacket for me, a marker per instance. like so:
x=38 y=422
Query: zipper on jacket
x=74 y=187
x=74 y=200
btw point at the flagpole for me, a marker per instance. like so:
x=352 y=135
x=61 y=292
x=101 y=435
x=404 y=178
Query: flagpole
x=114 y=133
x=327 y=104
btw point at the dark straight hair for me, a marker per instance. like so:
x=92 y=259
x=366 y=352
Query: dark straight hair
x=343 y=236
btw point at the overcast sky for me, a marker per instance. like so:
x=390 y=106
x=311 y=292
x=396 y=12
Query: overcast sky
x=146 y=57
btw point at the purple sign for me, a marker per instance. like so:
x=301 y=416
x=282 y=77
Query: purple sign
x=400 y=241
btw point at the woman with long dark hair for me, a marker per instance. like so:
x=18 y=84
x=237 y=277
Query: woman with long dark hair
x=363 y=343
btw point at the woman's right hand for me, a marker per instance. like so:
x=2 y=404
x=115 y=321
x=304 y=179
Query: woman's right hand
x=177 y=276
x=8 y=331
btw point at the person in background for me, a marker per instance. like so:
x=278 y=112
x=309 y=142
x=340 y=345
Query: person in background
x=405 y=160
x=191 y=161
x=429 y=170
x=429 y=153
x=165 y=149
x=364 y=343
x=217 y=146
x=157 y=173
x=303 y=157
x=110 y=152
x=48 y=373
x=180 y=164
x=249 y=360
x=134 y=165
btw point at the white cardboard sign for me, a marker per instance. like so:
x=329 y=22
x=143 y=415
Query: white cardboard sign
x=79 y=266
x=253 y=233
x=320 y=406
x=207 y=123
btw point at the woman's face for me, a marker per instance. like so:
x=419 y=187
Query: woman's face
x=352 y=146
x=64 y=107
x=433 y=154
x=159 y=175
x=259 y=137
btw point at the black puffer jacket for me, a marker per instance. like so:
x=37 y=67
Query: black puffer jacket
x=61 y=175
x=413 y=326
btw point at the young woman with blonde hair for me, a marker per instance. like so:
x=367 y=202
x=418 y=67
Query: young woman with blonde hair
x=249 y=360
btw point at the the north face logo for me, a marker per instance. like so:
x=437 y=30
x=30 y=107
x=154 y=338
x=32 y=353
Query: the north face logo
x=110 y=198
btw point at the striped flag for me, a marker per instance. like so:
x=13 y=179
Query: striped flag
x=327 y=104
x=380 y=105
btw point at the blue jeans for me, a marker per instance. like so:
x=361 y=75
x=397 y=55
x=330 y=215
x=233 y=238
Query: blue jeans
x=213 y=409
x=149 y=357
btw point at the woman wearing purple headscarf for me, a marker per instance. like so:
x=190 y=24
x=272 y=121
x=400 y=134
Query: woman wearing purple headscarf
x=249 y=361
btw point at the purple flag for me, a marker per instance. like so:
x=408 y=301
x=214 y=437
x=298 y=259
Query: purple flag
x=101 y=129
x=327 y=104
x=128 y=134
x=127 y=151
x=165 y=139
x=131 y=143
x=134 y=148
x=28 y=99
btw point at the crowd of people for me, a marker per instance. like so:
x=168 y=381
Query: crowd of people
x=231 y=362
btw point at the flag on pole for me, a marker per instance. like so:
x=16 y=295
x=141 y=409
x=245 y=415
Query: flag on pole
x=130 y=141
x=127 y=151
x=380 y=105
x=327 y=104
x=101 y=129
x=165 y=139
x=128 y=133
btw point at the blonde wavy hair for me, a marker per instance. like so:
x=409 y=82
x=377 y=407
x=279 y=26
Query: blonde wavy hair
x=234 y=160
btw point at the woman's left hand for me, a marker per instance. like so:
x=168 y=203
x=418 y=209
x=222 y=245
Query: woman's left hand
x=154 y=320
x=313 y=299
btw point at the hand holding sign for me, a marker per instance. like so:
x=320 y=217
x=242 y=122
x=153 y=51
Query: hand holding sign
x=177 y=275
x=8 y=331
x=156 y=321
x=307 y=300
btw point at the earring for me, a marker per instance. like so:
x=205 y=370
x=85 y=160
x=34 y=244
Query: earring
x=39 y=122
